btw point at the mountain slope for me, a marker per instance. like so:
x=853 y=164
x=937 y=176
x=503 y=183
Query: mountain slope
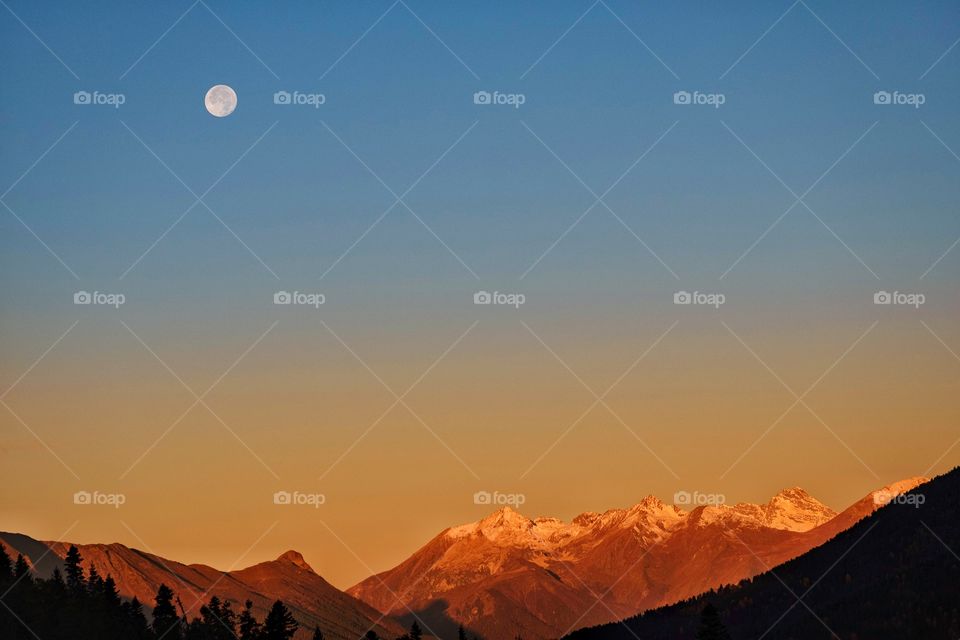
x=312 y=599
x=893 y=574
x=507 y=574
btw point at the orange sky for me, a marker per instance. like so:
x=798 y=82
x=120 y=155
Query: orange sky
x=499 y=400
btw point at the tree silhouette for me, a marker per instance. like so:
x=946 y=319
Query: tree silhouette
x=217 y=621
x=279 y=623
x=371 y=635
x=73 y=570
x=710 y=626
x=416 y=633
x=166 y=623
x=461 y=633
x=249 y=627
x=109 y=591
x=92 y=609
x=136 y=622
x=6 y=568
x=317 y=634
x=94 y=581
x=20 y=567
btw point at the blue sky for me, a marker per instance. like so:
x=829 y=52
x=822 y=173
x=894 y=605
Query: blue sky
x=399 y=99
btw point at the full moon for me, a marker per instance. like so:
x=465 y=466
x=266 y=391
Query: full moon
x=220 y=100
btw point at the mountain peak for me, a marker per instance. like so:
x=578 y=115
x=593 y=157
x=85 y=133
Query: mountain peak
x=793 y=493
x=295 y=558
x=651 y=502
x=796 y=510
x=506 y=517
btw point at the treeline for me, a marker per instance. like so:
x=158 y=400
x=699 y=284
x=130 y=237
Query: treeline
x=72 y=605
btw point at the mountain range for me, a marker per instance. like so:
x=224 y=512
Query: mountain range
x=506 y=575
x=311 y=599
x=892 y=575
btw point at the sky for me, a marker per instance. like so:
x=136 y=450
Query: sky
x=783 y=187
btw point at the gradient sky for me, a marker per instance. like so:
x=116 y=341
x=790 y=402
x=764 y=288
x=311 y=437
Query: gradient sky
x=488 y=414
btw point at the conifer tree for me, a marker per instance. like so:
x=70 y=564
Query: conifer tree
x=279 y=623
x=711 y=628
x=249 y=627
x=20 y=567
x=416 y=633
x=165 y=615
x=74 y=571
x=6 y=567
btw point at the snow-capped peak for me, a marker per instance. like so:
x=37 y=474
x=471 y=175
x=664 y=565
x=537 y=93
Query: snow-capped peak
x=796 y=510
x=792 y=509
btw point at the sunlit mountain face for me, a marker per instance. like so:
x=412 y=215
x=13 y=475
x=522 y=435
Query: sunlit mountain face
x=544 y=577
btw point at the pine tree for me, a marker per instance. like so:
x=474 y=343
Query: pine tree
x=279 y=623
x=711 y=628
x=20 y=567
x=317 y=634
x=94 y=581
x=165 y=615
x=6 y=567
x=416 y=633
x=249 y=627
x=71 y=565
x=136 y=622
x=218 y=621
x=110 y=594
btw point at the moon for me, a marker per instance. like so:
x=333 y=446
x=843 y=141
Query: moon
x=220 y=100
